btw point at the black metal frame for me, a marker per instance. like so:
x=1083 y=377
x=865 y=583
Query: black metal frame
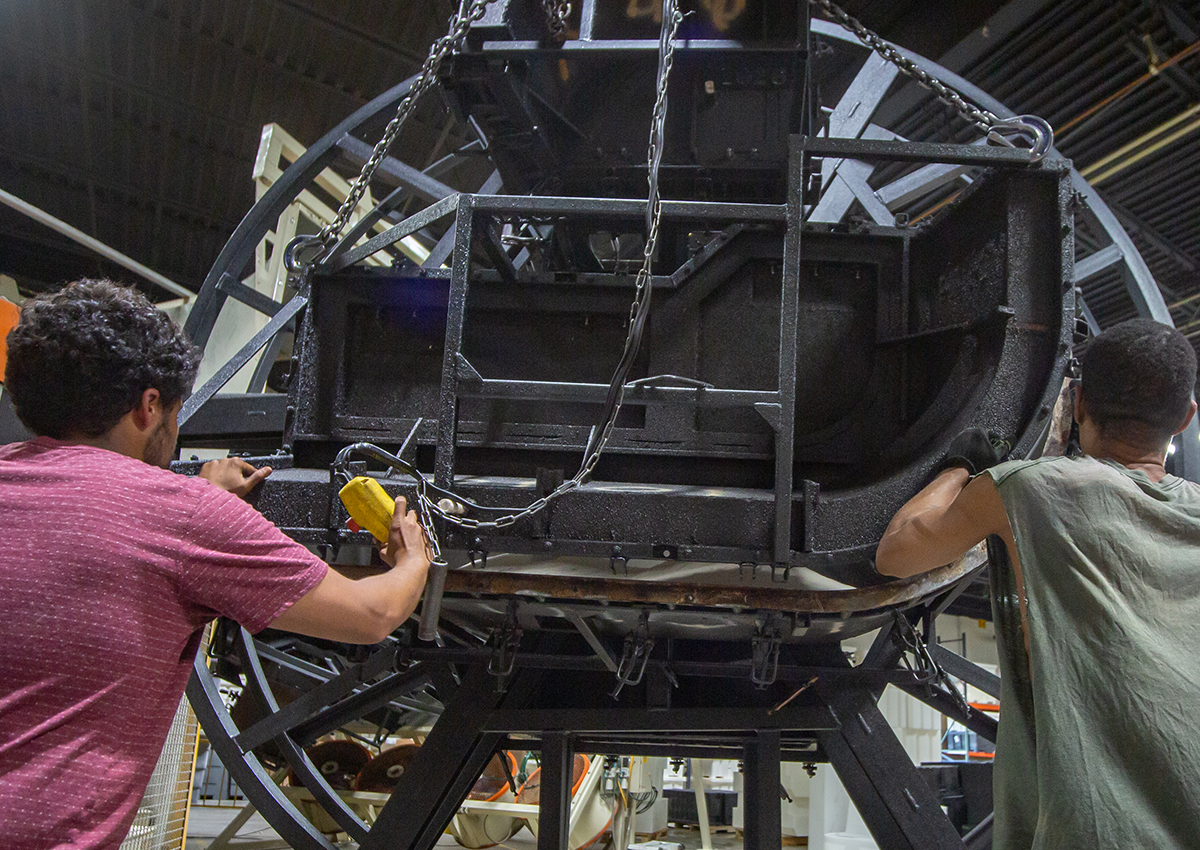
x=792 y=523
x=553 y=695
x=834 y=720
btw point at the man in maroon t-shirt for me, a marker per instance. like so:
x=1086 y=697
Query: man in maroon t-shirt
x=111 y=565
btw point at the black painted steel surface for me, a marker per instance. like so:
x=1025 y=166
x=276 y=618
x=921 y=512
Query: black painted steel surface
x=902 y=337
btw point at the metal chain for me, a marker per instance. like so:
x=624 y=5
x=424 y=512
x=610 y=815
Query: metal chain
x=557 y=12
x=981 y=118
x=467 y=14
x=641 y=292
x=430 y=508
x=425 y=515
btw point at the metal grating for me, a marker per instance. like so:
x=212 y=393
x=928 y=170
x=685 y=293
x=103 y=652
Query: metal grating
x=161 y=821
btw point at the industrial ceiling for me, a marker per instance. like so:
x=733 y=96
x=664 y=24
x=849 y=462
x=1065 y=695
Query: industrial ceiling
x=137 y=121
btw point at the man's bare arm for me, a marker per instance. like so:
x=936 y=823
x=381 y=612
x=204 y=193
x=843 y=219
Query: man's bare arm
x=941 y=523
x=369 y=609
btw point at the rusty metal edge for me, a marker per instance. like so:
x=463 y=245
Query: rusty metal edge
x=766 y=598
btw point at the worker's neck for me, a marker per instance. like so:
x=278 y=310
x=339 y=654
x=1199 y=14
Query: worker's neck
x=123 y=438
x=1150 y=461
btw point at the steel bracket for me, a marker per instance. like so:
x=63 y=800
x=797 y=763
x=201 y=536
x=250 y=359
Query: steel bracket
x=638 y=646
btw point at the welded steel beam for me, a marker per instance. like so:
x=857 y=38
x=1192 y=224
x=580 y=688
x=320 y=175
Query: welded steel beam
x=235 y=363
x=554 y=800
x=432 y=214
x=761 y=823
x=446 y=766
x=852 y=114
x=907 y=151
x=413 y=179
x=895 y=802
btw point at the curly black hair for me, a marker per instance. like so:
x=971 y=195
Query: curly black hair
x=80 y=358
x=1138 y=377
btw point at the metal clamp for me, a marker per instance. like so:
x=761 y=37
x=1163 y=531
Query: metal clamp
x=764 y=659
x=638 y=645
x=478 y=552
x=924 y=666
x=507 y=640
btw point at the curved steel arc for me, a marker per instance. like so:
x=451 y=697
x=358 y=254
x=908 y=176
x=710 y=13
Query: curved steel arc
x=267 y=210
x=256 y=680
x=244 y=767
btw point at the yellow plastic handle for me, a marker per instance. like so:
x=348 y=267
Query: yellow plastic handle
x=369 y=506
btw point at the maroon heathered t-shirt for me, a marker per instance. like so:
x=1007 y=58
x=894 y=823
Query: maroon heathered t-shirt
x=109 y=568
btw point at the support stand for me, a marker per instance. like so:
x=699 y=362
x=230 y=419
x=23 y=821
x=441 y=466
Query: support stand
x=564 y=711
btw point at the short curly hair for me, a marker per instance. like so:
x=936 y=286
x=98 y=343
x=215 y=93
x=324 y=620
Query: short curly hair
x=80 y=358
x=1138 y=379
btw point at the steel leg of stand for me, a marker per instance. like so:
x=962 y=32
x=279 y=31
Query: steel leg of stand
x=897 y=805
x=554 y=805
x=761 y=826
x=445 y=768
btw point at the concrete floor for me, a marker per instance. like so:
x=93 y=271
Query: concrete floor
x=205 y=823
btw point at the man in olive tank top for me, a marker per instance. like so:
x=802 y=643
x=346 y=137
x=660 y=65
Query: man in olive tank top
x=1099 y=741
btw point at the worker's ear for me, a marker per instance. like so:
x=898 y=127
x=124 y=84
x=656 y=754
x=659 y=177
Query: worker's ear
x=1080 y=411
x=148 y=410
x=1191 y=412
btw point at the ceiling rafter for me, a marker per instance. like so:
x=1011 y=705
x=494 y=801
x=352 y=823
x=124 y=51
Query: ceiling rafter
x=341 y=25
x=136 y=199
x=173 y=12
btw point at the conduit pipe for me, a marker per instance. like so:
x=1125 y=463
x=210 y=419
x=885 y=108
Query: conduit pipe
x=74 y=233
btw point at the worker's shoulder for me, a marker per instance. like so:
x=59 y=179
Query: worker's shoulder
x=1052 y=478
x=155 y=485
x=104 y=474
x=1073 y=476
x=1042 y=467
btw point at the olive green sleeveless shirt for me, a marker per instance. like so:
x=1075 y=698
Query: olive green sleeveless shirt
x=1099 y=742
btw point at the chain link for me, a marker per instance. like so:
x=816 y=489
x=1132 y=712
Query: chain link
x=467 y=14
x=981 y=118
x=557 y=12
